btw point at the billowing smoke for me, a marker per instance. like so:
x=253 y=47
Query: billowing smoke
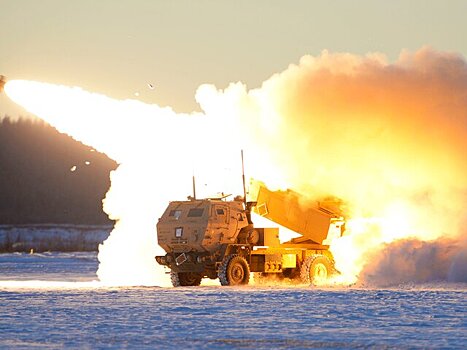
x=412 y=261
x=390 y=139
x=157 y=151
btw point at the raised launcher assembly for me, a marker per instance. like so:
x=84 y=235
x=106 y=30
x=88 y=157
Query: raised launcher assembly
x=215 y=238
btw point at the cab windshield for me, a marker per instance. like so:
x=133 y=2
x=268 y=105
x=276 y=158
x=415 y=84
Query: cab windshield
x=175 y=214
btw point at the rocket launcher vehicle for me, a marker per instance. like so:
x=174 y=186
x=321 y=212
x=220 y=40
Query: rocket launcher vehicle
x=215 y=238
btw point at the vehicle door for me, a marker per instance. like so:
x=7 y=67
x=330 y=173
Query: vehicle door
x=220 y=221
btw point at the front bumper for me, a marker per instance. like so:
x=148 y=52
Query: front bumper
x=185 y=262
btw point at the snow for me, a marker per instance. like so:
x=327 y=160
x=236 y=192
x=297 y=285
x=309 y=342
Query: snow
x=52 y=237
x=68 y=309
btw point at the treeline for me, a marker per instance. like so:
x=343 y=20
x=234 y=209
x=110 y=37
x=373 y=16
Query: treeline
x=47 y=177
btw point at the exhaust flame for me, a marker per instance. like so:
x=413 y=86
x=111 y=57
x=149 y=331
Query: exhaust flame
x=157 y=151
x=388 y=139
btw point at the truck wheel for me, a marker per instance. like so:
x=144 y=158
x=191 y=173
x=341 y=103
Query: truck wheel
x=185 y=279
x=315 y=270
x=234 y=271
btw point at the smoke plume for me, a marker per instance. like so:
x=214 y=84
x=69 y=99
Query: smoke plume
x=412 y=261
x=389 y=139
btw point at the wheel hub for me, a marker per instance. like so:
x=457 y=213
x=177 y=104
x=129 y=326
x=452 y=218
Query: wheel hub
x=237 y=273
x=320 y=273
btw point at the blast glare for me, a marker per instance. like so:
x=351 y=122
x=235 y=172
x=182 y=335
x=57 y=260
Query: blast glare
x=390 y=139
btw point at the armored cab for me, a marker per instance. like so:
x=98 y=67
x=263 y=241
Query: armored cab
x=200 y=226
x=196 y=234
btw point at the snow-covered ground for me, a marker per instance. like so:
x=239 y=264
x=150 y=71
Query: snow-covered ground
x=77 y=313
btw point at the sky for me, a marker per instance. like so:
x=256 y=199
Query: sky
x=118 y=47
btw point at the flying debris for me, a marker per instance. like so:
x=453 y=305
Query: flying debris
x=2 y=82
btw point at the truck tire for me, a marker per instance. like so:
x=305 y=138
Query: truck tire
x=234 y=271
x=185 y=279
x=316 y=269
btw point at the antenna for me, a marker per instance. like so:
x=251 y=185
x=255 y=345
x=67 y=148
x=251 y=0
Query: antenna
x=194 y=187
x=243 y=178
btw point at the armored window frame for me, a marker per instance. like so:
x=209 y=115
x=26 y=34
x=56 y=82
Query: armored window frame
x=175 y=213
x=195 y=212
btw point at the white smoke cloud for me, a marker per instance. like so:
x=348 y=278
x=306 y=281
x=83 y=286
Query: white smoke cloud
x=412 y=261
x=388 y=138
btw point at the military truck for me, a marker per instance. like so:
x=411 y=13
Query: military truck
x=215 y=238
